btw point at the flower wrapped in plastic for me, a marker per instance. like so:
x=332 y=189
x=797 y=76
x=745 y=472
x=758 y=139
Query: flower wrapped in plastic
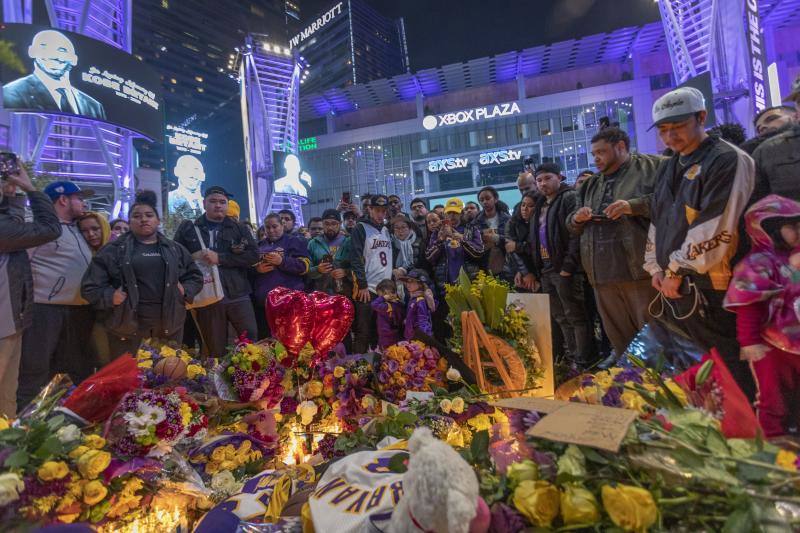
x=252 y=372
x=152 y=422
x=95 y=398
x=409 y=366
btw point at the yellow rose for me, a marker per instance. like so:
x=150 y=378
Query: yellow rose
x=633 y=400
x=77 y=452
x=52 y=470
x=166 y=351
x=578 y=506
x=786 y=460
x=572 y=462
x=631 y=508
x=192 y=371
x=94 y=492
x=314 y=388
x=143 y=354
x=338 y=372
x=458 y=405
x=147 y=363
x=95 y=442
x=92 y=463
x=445 y=405
x=525 y=470
x=538 y=501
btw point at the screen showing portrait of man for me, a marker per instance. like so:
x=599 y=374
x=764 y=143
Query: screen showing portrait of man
x=48 y=88
x=191 y=175
x=292 y=182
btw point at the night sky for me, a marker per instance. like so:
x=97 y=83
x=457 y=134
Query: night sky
x=440 y=32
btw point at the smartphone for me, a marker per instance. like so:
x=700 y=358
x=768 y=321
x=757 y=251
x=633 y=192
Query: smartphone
x=600 y=219
x=327 y=258
x=9 y=163
x=346 y=197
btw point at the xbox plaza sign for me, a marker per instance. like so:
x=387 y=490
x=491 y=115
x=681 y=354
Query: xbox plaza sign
x=466 y=116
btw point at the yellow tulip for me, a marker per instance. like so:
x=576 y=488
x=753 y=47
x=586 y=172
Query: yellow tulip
x=631 y=508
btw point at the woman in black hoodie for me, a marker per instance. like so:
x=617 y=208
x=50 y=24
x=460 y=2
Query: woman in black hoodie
x=519 y=261
x=142 y=281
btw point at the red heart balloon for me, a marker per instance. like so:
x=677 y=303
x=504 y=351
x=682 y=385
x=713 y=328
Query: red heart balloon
x=290 y=315
x=333 y=316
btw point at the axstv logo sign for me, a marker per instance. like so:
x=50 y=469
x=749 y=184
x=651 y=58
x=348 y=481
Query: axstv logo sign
x=466 y=116
x=450 y=163
x=498 y=157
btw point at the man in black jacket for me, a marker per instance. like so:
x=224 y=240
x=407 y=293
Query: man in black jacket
x=700 y=193
x=557 y=262
x=16 y=281
x=230 y=245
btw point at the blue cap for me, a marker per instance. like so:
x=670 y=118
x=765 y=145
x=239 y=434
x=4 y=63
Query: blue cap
x=65 y=188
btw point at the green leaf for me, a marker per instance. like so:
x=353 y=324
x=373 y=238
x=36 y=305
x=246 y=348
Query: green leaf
x=463 y=281
x=717 y=444
x=703 y=373
x=593 y=456
x=17 y=459
x=751 y=473
x=740 y=521
x=399 y=463
x=50 y=447
x=475 y=305
x=479 y=447
x=55 y=422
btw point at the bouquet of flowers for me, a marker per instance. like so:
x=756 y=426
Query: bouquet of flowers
x=152 y=422
x=620 y=387
x=159 y=369
x=409 y=366
x=253 y=371
x=227 y=460
x=347 y=382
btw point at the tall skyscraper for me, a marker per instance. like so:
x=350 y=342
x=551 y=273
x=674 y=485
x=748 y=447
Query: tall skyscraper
x=191 y=45
x=350 y=42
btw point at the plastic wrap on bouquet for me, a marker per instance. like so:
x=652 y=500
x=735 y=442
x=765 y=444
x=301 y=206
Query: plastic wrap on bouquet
x=656 y=340
x=42 y=405
x=96 y=397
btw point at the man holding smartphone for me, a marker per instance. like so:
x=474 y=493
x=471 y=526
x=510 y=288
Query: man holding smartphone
x=16 y=282
x=329 y=252
x=612 y=219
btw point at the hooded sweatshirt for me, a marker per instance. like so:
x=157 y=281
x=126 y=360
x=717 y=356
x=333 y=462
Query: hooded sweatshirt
x=765 y=290
x=105 y=228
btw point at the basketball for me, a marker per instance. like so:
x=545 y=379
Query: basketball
x=173 y=368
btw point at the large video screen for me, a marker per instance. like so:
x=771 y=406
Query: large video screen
x=186 y=149
x=66 y=73
x=290 y=178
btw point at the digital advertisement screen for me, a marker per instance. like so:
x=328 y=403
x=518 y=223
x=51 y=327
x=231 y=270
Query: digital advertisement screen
x=290 y=178
x=186 y=149
x=66 y=73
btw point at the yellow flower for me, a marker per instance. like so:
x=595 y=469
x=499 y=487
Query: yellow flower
x=590 y=394
x=143 y=354
x=92 y=463
x=445 y=405
x=314 y=388
x=572 y=462
x=631 y=508
x=786 y=460
x=633 y=400
x=455 y=437
x=186 y=413
x=68 y=518
x=615 y=371
x=95 y=442
x=4 y=423
x=678 y=391
x=480 y=422
x=338 y=372
x=185 y=357
x=578 y=506
x=603 y=379
x=525 y=470
x=458 y=405
x=94 y=492
x=166 y=351
x=192 y=371
x=52 y=470
x=77 y=452
x=538 y=501
x=147 y=363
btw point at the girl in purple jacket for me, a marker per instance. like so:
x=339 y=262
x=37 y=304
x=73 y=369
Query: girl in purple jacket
x=420 y=304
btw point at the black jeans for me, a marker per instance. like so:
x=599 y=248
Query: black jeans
x=365 y=326
x=58 y=341
x=149 y=328
x=568 y=309
x=212 y=321
x=712 y=326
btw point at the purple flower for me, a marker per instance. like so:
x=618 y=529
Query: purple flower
x=392 y=365
x=417 y=383
x=505 y=519
x=288 y=405
x=383 y=377
x=587 y=381
x=629 y=374
x=410 y=368
x=521 y=421
x=612 y=397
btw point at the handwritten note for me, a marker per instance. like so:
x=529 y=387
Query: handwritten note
x=540 y=405
x=589 y=425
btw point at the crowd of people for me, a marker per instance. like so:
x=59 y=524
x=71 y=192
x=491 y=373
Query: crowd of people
x=641 y=238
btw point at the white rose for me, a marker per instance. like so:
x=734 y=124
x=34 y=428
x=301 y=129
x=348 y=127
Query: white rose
x=68 y=433
x=10 y=487
x=223 y=481
x=445 y=405
x=307 y=410
x=453 y=374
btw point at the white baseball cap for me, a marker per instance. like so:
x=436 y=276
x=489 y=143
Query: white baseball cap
x=678 y=105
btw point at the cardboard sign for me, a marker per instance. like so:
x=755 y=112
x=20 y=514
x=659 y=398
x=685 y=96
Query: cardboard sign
x=541 y=405
x=538 y=308
x=589 y=425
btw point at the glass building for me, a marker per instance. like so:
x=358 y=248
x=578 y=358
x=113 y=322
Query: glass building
x=350 y=43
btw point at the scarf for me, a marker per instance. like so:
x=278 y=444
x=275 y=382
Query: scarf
x=406 y=259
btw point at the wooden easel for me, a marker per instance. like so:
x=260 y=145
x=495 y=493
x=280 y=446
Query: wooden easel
x=475 y=337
